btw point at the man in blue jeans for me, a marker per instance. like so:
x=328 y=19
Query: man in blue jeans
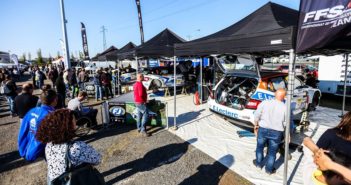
x=97 y=83
x=10 y=93
x=140 y=99
x=270 y=122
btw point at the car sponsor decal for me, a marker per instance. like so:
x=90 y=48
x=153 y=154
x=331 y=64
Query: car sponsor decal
x=225 y=112
x=263 y=95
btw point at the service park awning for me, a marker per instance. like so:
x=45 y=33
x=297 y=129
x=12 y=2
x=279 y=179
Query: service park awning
x=161 y=45
x=107 y=55
x=126 y=51
x=268 y=30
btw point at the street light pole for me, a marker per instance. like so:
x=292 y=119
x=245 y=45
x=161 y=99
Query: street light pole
x=64 y=31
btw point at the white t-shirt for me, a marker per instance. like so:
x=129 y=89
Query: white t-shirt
x=74 y=104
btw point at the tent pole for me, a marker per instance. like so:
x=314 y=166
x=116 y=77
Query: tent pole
x=137 y=65
x=118 y=76
x=175 y=92
x=200 y=81
x=345 y=78
x=288 y=112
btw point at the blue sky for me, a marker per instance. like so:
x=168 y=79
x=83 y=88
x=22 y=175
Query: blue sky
x=27 y=25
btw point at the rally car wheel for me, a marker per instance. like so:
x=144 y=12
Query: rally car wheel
x=155 y=85
x=315 y=101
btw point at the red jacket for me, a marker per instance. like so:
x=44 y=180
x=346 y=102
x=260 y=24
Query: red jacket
x=140 y=95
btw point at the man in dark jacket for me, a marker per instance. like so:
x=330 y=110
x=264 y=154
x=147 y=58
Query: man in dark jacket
x=53 y=74
x=106 y=78
x=97 y=83
x=73 y=84
x=25 y=101
x=61 y=91
x=11 y=94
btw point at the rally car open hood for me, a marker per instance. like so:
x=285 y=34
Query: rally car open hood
x=238 y=65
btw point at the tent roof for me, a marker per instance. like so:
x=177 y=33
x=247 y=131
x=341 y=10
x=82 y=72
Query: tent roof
x=109 y=54
x=126 y=51
x=127 y=47
x=160 y=45
x=268 y=29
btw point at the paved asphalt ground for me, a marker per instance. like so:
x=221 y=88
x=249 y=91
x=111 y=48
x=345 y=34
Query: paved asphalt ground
x=128 y=158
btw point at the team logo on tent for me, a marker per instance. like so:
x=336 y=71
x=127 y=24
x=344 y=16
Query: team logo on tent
x=335 y=16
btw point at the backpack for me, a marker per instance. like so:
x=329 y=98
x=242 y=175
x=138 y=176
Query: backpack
x=77 y=175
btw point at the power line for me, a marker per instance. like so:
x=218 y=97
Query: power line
x=150 y=12
x=170 y=14
x=103 y=31
x=182 y=10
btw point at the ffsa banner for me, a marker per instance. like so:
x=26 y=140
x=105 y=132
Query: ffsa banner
x=322 y=23
x=85 y=42
x=140 y=21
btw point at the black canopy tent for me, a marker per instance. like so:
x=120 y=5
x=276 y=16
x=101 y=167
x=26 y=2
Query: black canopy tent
x=121 y=56
x=266 y=31
x=109 y=54
x=161 y=45
x=126 y=51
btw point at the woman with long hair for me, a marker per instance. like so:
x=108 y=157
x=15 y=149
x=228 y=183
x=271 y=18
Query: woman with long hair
x=57 y=131
x=338 y=138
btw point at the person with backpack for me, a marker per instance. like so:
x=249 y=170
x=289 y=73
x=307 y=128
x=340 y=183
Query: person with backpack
x=9 y=88
x=28 y=146
x=64 y=156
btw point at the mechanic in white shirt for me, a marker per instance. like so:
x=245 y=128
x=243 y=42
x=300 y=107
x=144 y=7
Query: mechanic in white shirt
x=76 y=105
x=270 y=121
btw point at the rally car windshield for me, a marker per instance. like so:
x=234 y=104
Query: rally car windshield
x=233 y=63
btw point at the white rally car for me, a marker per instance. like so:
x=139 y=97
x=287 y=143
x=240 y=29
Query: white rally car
x=127 y=78
x=243 y=87
x=164 y=77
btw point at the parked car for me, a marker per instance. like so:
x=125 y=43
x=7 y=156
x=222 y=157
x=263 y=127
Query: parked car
x=128 y=76
x=299 y=69
x=155 y=78
x=237 y=95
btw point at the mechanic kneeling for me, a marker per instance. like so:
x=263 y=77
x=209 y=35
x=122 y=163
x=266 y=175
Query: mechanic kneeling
x=76 y=105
